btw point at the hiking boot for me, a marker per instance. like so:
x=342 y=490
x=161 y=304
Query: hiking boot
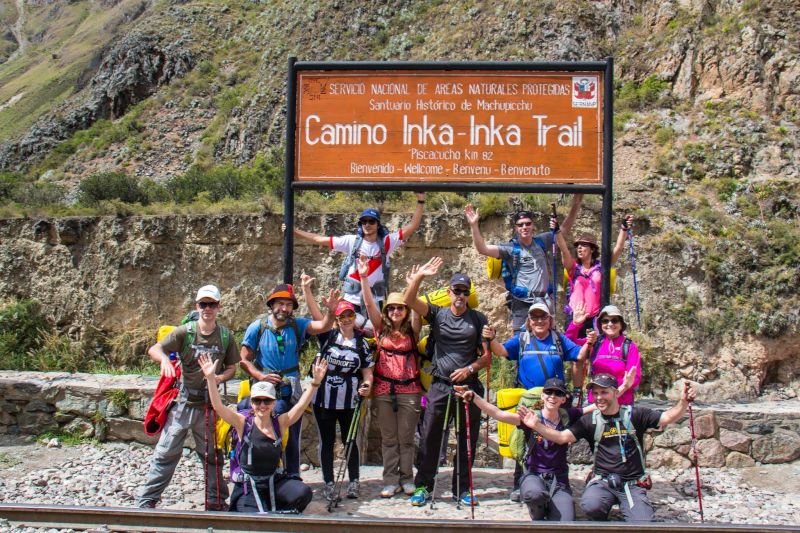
x=327 y=490
x=409 y=488
x=515 y=497
x=222 y=507
x=353 y=489
x=147 y=504
x=465 y=499
x=420 y=497
x=390 y=490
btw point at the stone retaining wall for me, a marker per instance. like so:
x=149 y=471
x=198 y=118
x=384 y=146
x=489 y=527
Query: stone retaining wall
x=113 y=407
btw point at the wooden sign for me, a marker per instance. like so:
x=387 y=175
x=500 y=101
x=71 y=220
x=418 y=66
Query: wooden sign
x=449 y=126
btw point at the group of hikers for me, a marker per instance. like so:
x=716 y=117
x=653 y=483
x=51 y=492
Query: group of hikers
x=460 y=343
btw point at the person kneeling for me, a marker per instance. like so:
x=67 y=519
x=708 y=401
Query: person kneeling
x=265 y=486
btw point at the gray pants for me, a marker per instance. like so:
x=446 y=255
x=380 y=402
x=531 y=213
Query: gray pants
x=598 y=498
x=535 y=493
x=180 y=420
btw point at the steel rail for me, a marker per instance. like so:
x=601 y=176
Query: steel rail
x=166 y=520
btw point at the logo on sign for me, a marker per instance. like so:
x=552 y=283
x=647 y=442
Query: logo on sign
x=584 y=91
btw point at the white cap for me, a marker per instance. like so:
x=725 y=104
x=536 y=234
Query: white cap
x=539 y=306
x=263 y=389
x=208 y=291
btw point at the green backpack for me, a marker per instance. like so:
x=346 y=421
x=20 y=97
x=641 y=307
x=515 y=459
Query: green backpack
x=519 y=439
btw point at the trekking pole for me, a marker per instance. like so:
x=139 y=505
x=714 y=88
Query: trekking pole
x=205 y=460
x=553 y=253
x=458 y=458
x=469 y=463
x=694 y=454
x=351 y=436
x=633 y=269
x=442 y=444
x=488 y=384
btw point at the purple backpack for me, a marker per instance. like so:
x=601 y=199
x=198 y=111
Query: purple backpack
x=241 y=449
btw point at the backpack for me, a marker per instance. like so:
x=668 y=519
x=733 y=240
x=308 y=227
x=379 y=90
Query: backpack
x=510 y=270
x=237 y=444
x=625 y=412
x=264 y=324
x=626 y=345
x=525 y=338
x=519 y=441
x=353 y=287
x=191 y=331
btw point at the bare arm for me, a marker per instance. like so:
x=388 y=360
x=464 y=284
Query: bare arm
x=308 y=295
x=566 y=255
x=495 y=412
x=410 y=295
x=228 y=373
x=247 y=362
x=627 y=381
x=495 y=346
x=373 y=311
x=473 y=216
x=318 y=371
x=321 y=326
x=573 y=213
x=413 y=226
x=321 y=240
x=531 y=419
x=675 y=412
x=366 y=383
x=623 y=234
x=158 y=355
x=227 y=414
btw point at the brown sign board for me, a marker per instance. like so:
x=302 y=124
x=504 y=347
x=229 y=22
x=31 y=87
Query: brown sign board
x=449 y=126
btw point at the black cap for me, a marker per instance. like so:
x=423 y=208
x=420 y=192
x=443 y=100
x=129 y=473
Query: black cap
x=460 y=279
x=521 y=214
x=604 y=380
x=554 y=384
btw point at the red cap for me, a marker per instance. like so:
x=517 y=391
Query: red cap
x=343 y=306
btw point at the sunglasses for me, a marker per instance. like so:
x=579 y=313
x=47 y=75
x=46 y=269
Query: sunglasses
x=367 y=221
x=279 y=341
x=209 y=305
x=537 y=318
x=524 y=224
x=349 y=315
x=394 y=308
x=560 y=394
x=610 y=321
x=460 y=292
x=262 y=401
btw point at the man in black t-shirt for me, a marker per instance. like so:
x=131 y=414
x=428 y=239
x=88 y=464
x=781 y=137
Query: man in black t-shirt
x=456 y=358
x=615 y=433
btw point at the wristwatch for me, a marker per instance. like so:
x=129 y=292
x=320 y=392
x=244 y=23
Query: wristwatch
x=471 y=369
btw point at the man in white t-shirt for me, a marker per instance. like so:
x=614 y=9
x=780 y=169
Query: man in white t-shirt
x=372 y=240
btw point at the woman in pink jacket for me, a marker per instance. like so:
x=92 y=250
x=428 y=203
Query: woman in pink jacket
x=613 y=353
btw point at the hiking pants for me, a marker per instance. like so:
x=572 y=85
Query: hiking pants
x=292 y=450
x=326 y=425
x=431 y=438
x=397 y=436
x=534 y=492
x=290 y=495
x=182 y=418
x=598 y=498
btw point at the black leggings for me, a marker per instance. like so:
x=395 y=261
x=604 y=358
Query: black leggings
x=326 y=424
x=290 y=495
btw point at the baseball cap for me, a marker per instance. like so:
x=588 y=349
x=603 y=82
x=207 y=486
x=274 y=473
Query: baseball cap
x=604 y=380
x=521 y=214
x=343 y=306
x=554 y=384
x=208 y=291
x=263 y=389
x=539 y=306
x=460 y=279
x=370 y=212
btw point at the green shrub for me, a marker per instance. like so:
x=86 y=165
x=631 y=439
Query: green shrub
x=39 y=194
x=111 y=186
x=22 y=329
x=636 y=96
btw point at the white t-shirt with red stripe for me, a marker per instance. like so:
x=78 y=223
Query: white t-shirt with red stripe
x=345 y=244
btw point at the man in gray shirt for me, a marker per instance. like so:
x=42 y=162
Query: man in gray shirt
x=527 y=257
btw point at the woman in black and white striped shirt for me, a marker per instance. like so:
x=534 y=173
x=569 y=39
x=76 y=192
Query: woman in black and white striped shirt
x=349 y=361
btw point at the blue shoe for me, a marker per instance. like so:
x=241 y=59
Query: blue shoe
x=465 y=499
x=420 y=497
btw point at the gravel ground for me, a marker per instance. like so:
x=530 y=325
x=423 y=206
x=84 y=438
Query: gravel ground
x=110 y=474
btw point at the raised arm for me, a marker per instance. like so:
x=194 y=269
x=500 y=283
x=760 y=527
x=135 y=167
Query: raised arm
x=413 y=226
x=566 y=255
x=321 y=240
x=308 y=295
x=623 y=234
x=410 y=295
x=531 y=419
x=464 y=392
x=473 y=217
x=318 y=371
x=321 y=326
x=573 y=213
x=209 y=368
x=675 y=412
x=373 y=311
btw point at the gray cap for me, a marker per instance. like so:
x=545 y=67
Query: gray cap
x=263 y=389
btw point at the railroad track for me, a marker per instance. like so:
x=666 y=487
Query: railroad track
x=163 y=520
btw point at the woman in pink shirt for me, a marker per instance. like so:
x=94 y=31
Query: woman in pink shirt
x=613 y=352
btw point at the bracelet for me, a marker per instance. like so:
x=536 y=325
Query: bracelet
x=315 y=384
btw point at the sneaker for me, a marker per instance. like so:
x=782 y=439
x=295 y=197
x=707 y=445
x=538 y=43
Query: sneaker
x=353 y=489
x=515 y=497
x=147 y=504
x=419 y=497
x=327 y=490
x=390 y=490
x=409 y=488
x=465 y=499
